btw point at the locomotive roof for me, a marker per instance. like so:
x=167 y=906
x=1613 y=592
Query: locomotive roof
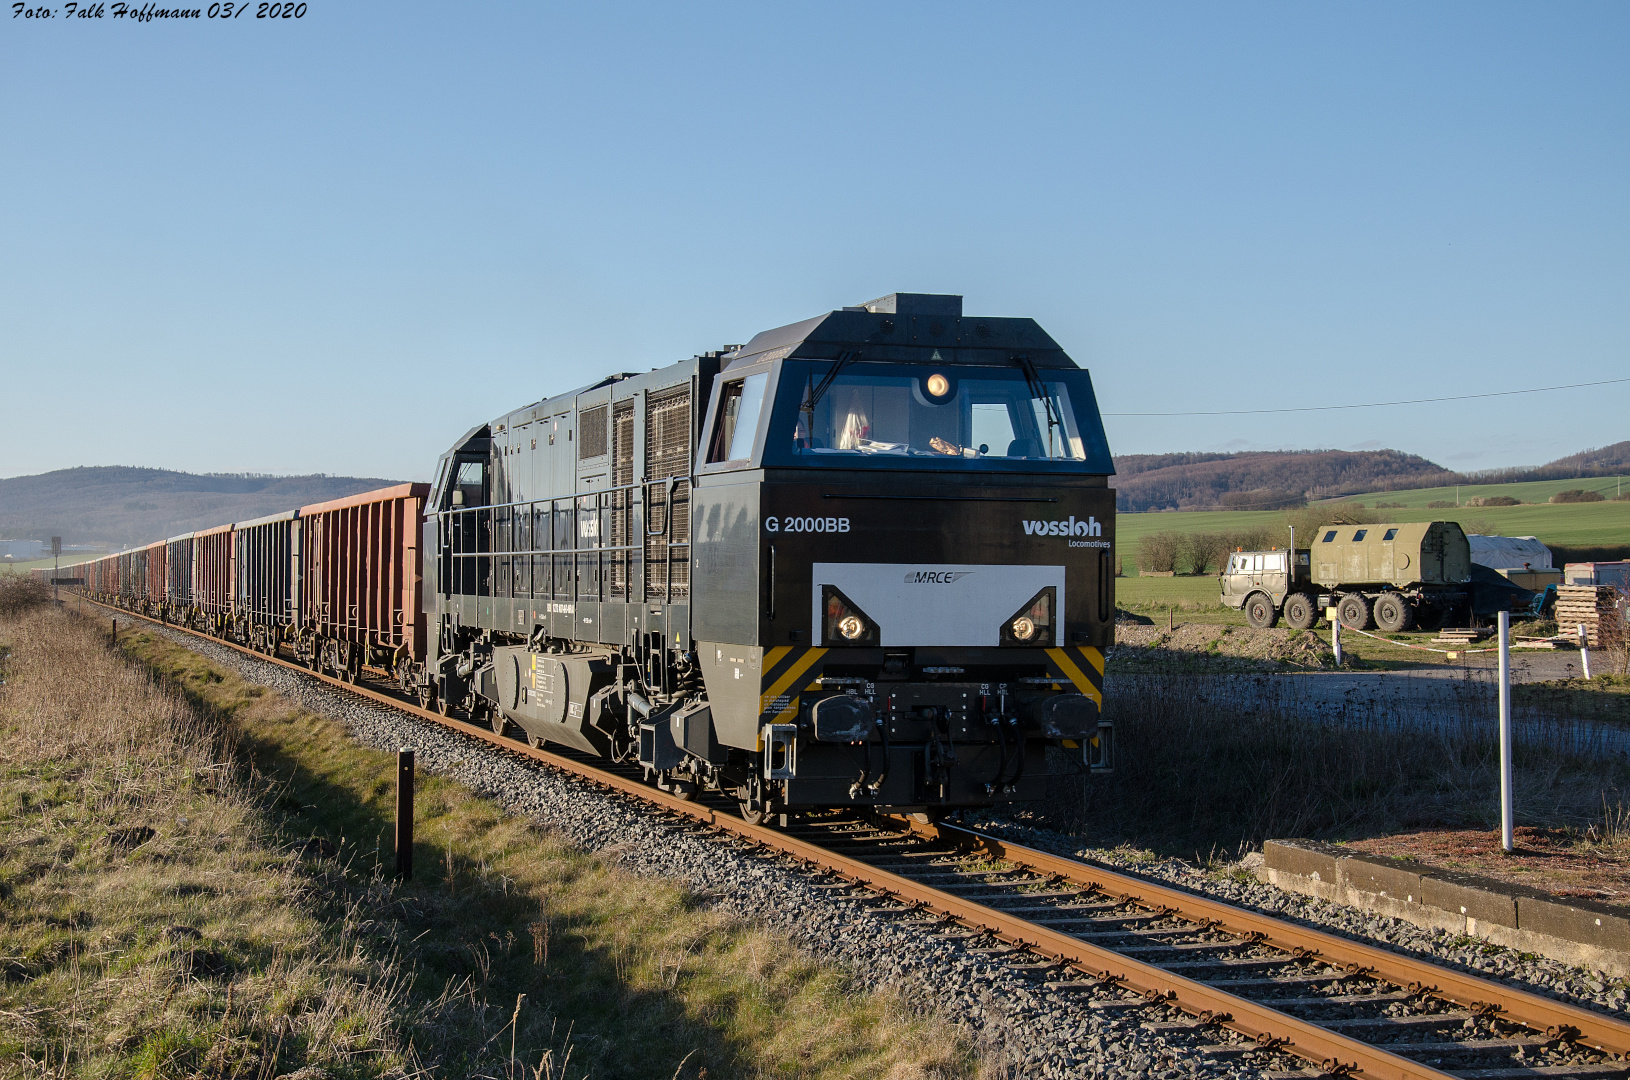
x=907 y=327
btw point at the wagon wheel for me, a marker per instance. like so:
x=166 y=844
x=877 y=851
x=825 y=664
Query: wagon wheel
x=499 y=722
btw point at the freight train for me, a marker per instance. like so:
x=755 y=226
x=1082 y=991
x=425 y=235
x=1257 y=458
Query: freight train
x=863 y=560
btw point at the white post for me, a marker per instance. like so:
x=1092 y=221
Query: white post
x=1584 y=649
x=1335 y=639
x=1507 y=837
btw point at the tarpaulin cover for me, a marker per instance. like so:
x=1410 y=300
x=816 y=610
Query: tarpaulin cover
x=1509 y=552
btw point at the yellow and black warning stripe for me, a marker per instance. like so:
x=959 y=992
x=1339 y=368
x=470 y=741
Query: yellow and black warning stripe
x=1082 y=666
x=785 y=671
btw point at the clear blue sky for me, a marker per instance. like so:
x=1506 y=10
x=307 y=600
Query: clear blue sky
x=333 y=244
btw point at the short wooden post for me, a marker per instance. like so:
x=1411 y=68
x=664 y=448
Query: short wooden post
x=404 y=814
x=115 y=630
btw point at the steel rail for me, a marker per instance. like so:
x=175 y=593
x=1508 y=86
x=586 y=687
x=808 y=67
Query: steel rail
x=1269 y=1027
x=1541 y=1014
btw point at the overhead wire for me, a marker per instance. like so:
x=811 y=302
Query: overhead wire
x=1375 y=404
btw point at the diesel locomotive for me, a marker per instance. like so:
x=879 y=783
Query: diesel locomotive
x=863 y=560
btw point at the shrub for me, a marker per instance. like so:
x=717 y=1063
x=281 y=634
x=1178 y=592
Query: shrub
x=1440 y=504
x=19 y=593
x=1493 y=500
x=1158 y=551
x=1623 y=496
x=1389 y=506
x=1576 y=495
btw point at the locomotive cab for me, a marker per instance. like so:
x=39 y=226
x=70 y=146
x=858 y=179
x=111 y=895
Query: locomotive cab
x=904 y=521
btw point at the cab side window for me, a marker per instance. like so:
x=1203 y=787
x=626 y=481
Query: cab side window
x=740 y=403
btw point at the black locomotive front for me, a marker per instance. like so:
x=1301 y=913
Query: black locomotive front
x=898 y=583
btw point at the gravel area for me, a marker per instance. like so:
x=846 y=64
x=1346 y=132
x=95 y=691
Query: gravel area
x=1022 y=1028
x=1237 y=885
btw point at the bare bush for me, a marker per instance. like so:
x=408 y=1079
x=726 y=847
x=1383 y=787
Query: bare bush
x=1158 y=552
x=1614 y=634
x=20 y=593
x=1577 y=495
x=1493 y=500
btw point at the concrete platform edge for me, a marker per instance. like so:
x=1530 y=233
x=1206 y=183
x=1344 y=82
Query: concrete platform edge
x=1581 y=933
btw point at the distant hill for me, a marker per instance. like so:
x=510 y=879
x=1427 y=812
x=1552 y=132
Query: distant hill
x=1605 y=461
x=1269 y=480
x=120 y=506
x=1264 y=480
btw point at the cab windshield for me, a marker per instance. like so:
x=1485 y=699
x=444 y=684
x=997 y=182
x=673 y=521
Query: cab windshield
x=944 y=413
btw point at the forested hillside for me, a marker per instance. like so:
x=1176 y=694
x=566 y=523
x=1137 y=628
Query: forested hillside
x=1271 y=480
x=1264 y=480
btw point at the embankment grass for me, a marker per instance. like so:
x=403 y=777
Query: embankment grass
x=192 y=888
x=508 y=935
x=154 y=924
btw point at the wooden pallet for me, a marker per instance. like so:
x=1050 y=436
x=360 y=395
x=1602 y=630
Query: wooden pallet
x=1587 y=606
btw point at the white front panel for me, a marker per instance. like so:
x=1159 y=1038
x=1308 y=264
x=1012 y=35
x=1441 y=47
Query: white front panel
x=935 y=603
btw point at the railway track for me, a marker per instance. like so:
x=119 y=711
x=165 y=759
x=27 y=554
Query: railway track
x=1226 y=980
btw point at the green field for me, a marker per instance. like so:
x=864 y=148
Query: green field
x=23 y=566
x=1600 y=524
x=1535 y=492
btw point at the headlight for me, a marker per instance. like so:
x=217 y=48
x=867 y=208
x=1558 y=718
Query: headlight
x=938 y=385
x=851 y=627
x=1024 y=628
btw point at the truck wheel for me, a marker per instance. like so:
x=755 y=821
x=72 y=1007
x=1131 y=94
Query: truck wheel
x=1299 y=612
x=1259 y=611
x=1394 y=614
x=1354 y=611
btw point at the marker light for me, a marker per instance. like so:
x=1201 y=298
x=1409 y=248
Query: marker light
x=938 y=385
x=1024 y=628
x=851 y=627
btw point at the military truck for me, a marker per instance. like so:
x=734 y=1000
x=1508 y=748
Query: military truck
x=1394 y=576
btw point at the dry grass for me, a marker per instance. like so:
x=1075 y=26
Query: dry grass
x=517 y=954
x=152 y=926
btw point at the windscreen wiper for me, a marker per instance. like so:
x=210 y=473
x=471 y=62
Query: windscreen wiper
x=1037 y=390
x=812 y=396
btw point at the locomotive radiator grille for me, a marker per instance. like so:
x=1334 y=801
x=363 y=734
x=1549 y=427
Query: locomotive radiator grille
x=622 y=505
x=667 y=494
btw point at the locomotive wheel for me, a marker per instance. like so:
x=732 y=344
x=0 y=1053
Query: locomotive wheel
x=1300 y=613
x=499 y=722
x=1394 y=614
x=1354 y=611
x=535 y=742
x=751 y=816
x=1260 y=612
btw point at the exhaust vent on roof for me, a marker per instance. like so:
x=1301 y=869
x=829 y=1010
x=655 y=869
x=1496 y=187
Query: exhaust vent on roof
x=944 y=305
